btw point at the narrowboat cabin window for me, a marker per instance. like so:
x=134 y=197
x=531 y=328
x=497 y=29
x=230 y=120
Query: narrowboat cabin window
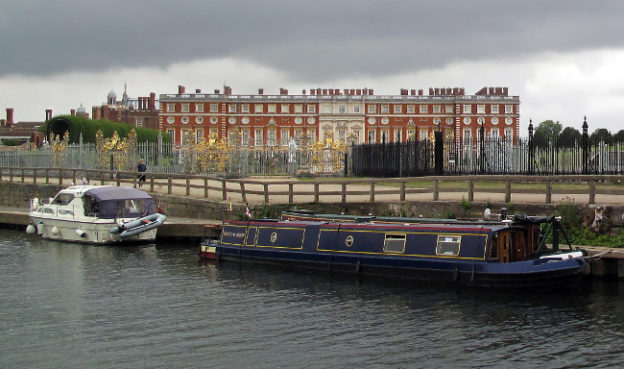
x=394 y=243
x=448 y=245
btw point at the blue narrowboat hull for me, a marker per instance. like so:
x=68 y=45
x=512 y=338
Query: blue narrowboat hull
x=372 y=250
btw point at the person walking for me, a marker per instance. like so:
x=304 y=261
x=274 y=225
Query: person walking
x=141 y=168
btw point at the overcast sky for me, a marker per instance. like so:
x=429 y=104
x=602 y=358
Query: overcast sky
x=564 y=58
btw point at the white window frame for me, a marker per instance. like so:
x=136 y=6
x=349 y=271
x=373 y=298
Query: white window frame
x=258 y=137
x=199 y=108
x=467 y=109
x=171 y=108
x=272 y=108
x=423 y=109
x=214 y=108
x=494 y=109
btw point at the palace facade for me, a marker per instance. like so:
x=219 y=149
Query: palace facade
x=349 y=115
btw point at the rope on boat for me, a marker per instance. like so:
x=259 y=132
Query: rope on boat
x=599 y=255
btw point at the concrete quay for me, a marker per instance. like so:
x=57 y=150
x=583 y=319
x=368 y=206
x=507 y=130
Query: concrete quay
x=186 y=230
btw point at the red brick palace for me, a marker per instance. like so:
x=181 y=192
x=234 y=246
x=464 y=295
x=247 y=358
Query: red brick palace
x=350 y=115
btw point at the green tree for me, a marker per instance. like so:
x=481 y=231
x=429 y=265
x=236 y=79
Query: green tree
x=569 y=137
x=77 y=125
x=619 y=136
x=600 y=135
x=546 y=132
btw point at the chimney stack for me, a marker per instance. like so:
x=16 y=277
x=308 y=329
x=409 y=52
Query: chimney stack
x=261 y=91
x=72 y=112
x=48 y=114
x=198 y=90
x=181 y=89
x=9 y=116
x=227 y=90
x=152 y=101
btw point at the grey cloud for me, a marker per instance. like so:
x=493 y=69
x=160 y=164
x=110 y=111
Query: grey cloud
x=309 y=39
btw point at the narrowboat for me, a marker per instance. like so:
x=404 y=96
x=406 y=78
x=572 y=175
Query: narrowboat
x=504 y=253
x=96 y=215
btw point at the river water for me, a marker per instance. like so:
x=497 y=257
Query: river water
x=157 y=306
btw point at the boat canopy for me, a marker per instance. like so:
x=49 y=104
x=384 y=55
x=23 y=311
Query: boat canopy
x=120 y=202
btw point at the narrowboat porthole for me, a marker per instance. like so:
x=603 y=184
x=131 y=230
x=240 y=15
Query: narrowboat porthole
x=273 y=237
x=349 y=241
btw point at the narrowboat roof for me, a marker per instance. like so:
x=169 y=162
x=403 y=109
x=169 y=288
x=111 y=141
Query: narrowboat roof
x=415 y=227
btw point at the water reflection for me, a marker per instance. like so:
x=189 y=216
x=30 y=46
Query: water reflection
x=159 y=306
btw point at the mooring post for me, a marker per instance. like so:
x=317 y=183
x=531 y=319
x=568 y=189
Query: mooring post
x=592 y=191
x=507 y=190
x=548 y=191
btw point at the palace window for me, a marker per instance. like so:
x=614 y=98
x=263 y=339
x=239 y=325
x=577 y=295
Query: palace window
x=424 y=109
x=284 y=137
x=245 y=137
x=214 y=108
x=448 y=109
x=494 y=109
x=398 y=109
x=271 y=138
x=298 y=135
x=311 y=108
x=285 y=108
x=342 y=109
x=298 y=108
x=508 y=109
x=356 y=109
x=467 y=109
x=170 y=108
x=385 y=109
x=171 y=133
x=371 y=136
x=480 y=109
x=258 y=108
x=199 y=108
x=139 y=122
x=185 y=108
x=199 y=134
x=232 y=108
x=372 y=109
x=410 y=109
x=245 y=108
x=272 y=108
x=467 y=136
x=437 y=109
x=258 y=137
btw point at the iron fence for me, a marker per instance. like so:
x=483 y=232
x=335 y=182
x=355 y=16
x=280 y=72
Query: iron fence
x=487 y=156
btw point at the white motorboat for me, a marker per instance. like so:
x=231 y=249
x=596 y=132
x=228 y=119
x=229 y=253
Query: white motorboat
x=96 y=215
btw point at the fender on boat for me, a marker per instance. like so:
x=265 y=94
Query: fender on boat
x=139 y=225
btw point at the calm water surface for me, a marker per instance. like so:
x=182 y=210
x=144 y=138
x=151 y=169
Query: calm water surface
x=75 y=306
